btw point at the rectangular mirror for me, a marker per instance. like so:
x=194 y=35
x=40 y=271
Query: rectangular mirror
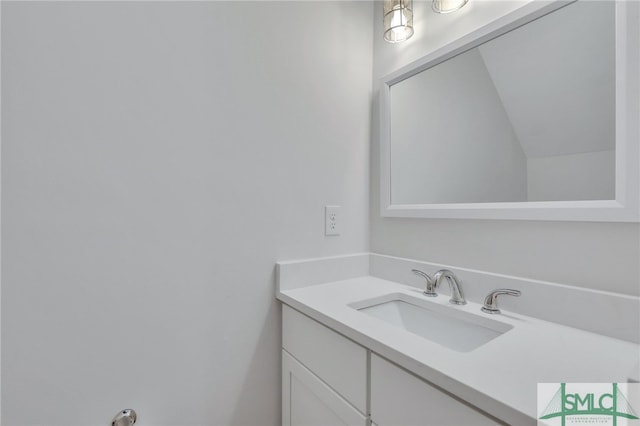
x=530 y=118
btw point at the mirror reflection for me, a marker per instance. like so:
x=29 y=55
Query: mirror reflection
x=527 y=116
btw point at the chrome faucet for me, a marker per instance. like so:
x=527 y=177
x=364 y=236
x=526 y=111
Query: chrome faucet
x=457 y=297
x=430 y=289
x=491 y=301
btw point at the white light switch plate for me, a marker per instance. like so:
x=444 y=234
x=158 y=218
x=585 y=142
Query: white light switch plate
x=332 y=220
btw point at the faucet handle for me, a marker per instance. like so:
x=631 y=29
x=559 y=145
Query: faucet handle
x=491 y=301
x=430 y=289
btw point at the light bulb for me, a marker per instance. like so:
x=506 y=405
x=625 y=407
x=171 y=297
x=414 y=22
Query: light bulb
x=398 y=22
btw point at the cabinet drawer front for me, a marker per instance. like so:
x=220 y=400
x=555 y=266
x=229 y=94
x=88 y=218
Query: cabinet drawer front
x=307 y=400
x=338 y=361
x=400 y=398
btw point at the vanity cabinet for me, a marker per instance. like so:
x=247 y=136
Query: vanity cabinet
x=329 y=380
x=399 y=398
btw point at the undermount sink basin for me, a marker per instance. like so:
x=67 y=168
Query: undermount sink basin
x=446 y=325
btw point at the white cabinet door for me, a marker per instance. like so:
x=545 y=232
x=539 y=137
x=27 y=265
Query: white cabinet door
x=339 y=362
x=400 y=398
x=307 y=400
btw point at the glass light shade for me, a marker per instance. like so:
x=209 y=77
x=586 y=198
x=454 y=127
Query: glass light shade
x=447 y=6
x=398 y=20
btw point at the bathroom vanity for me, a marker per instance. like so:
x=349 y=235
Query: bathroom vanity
x=329 y=379
x=358 y=348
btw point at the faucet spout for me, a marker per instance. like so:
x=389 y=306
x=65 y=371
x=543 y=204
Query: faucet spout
x=455 y=285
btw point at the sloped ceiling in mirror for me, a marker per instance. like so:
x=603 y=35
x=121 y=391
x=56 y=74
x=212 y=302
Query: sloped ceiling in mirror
x=553 y=110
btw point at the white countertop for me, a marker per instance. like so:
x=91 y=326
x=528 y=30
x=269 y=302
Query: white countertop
x=499 y=377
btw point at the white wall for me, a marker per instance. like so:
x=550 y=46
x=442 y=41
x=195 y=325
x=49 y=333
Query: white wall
x=157 y=159
x=595 y=255
x=587 y=176
x=480 y=161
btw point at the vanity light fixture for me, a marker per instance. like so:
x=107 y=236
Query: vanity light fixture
x=447 y=6
x=398 y=20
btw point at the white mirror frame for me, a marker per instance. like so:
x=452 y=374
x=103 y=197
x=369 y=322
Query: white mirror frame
x=625 y=207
